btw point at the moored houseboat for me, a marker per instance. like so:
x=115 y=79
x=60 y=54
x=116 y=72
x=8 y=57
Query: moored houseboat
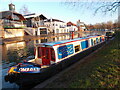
x=51 y=58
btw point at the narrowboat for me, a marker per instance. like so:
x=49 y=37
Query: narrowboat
x=110 y=34
x=51 y=58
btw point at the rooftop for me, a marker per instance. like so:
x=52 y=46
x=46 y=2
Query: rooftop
x=49 y=20
x=32 y=15
x=70 y=23
x=9 y=15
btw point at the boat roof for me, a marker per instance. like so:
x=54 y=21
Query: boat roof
x=51 y=44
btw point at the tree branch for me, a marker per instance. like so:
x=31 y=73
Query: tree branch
x=111 y=7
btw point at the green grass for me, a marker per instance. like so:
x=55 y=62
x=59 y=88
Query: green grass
x=103 y=71
x=100 y=70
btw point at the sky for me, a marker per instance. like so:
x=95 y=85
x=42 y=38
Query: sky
x=58 y=9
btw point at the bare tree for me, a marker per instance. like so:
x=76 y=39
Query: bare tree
x=118 y=17
x=103 y=25
x=109 y=6
x=24 y=10
x=109 y=25
x=115 y=24
x=98 y=5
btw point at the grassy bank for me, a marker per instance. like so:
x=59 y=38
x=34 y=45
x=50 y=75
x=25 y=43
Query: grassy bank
x=100 y=70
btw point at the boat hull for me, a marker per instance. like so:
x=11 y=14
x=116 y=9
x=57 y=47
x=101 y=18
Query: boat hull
x=27 y=79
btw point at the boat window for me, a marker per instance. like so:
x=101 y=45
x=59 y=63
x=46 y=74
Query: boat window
x=100 y=39
x=52 y=55
x=39 y=52
x=94 y=42
x=77 y=48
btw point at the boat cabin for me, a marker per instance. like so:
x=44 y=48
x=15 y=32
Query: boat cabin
x=54 y=52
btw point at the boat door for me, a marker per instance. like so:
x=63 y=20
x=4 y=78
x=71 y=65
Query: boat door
x=45 y=55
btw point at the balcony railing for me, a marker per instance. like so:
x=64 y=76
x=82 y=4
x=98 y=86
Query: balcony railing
x=62 y=26
x=13 y=24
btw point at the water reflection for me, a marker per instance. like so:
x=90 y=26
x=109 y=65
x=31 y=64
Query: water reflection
x=10 y=47
x=16 y=52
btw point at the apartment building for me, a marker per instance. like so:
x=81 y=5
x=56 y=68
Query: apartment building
x=56 y=26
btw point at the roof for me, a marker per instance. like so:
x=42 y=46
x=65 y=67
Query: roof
x=8 y=15
x=70 y=23
x=34 y=15
x=64 y=41
x=48 y=20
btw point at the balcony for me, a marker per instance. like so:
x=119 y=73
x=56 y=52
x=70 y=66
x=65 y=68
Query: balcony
x=13 y=24
x=62 y=26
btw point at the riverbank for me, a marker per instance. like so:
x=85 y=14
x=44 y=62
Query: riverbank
x=99 y=70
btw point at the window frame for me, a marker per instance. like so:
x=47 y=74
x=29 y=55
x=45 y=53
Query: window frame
x=78 y=47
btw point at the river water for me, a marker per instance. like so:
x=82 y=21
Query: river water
x=16 y=52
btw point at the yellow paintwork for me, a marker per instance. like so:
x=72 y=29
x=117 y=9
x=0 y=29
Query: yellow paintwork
x=12 y=70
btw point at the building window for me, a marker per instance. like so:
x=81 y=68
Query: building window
x=53 y=31
x=64 y=30
x=15 y=17
x=67 y=30
x=77 y=48
x=57 y=30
